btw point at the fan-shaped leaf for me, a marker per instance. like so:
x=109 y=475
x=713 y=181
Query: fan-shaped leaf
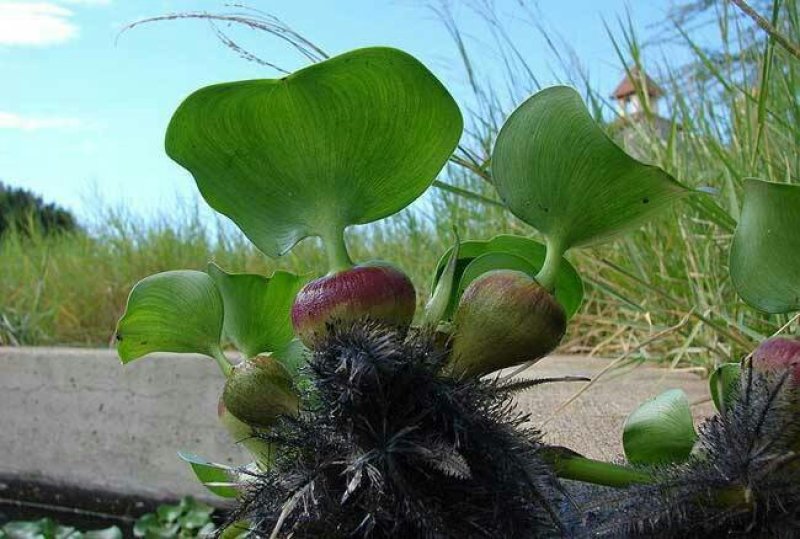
x=559 y=172
x=346 y=141
x=258 y=310
x=174 y=311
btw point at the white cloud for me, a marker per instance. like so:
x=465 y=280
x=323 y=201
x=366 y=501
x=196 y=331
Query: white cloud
x=9 y=120
x=87 y=2
x=35 y=23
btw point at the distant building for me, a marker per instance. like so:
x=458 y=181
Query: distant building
x=637 y=121
x=628 y=99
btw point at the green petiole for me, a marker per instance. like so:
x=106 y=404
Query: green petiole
x=336 y=248
x=552 y=262
x=570 y=465
x=222 y=361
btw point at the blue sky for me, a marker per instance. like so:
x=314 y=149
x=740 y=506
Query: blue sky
x=83 y=112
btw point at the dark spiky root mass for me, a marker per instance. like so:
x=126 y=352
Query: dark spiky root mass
x=744 y=481
x=389 y=448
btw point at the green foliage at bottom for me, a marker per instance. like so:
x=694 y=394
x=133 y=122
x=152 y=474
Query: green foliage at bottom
x=47 y=528
x=188 y=518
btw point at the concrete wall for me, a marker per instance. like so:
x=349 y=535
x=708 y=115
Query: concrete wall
x=78 y=416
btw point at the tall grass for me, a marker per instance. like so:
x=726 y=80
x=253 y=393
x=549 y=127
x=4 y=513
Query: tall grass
x=71 y=288
x=734 y=114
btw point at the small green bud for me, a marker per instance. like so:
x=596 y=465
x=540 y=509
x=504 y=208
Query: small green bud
x=259 y=390
x=504 y=318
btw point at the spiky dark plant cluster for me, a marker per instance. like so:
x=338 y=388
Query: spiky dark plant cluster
x=390 y=448
x=744 y=479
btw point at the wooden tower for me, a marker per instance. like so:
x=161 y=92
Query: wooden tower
x=628 y=100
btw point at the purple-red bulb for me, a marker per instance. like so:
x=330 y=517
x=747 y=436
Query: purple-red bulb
x=380 y=293
x=778 y=354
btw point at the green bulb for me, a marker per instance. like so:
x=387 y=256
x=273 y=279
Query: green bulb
x=504 y=318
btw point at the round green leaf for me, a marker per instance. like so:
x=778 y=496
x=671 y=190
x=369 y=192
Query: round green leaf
x=765 y=257
x=660 y=431
x=169 y=513
x=174 y=311
x=346 y=141
x=258 y=310
x=568 y=287
x=144 y=523
x=724 y=384
x=559 y=172
x=194 y=519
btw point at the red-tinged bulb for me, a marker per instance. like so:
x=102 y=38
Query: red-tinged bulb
x=258 y=391
x=380 y=293
x=778 y=354
x=504 y=318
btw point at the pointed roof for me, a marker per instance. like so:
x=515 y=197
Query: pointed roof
x=626 y=87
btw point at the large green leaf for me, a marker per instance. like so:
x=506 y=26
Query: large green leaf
x=258 y=310
x=346 y=141
x=559 y=172
x=660 y=430
x=765 y=257
x=568 y=286
x=174 y=311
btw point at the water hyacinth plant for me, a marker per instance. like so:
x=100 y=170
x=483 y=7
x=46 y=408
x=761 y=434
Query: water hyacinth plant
x=364 y=424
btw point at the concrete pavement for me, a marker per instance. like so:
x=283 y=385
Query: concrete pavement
x=77 y=416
